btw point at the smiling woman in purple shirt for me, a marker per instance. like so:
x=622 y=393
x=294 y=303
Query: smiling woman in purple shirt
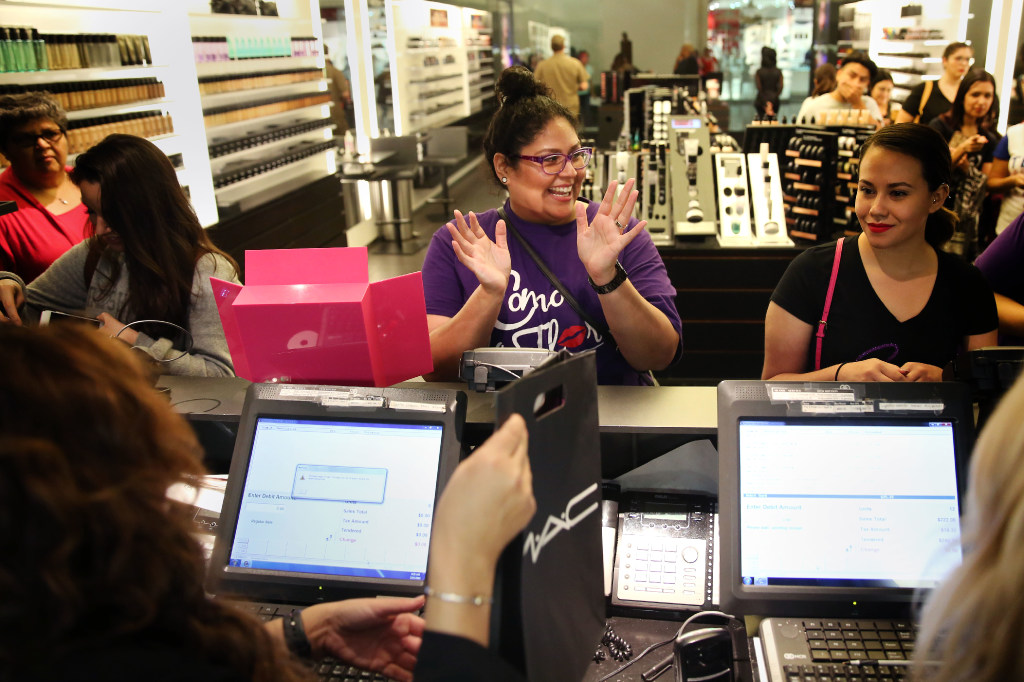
x=484 y=288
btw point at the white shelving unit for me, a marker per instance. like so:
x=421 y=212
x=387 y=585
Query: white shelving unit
x=428 y=64
x=908 y=38
x=263 y=140
x=166 y=27
x=169 y=28
x=477 y=28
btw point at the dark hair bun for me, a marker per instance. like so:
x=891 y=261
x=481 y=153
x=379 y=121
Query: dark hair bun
x=517 y=82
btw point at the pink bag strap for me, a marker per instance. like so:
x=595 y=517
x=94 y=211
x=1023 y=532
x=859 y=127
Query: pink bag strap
x=823 y=322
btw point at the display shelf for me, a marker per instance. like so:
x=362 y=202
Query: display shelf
x=910 y=47
x=257 y=126
x=278 y=181
x=242 y=67
x=254 y=154
x=82 y=75
x=143 y=105
x=225 y=99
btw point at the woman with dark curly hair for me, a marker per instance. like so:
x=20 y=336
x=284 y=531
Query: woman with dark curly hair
x=100 y=577
x=483 y=278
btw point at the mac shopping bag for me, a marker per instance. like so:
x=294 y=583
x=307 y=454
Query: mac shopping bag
x=551 y=610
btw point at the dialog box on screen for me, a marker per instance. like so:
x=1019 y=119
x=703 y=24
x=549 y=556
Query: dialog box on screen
x=339 y=484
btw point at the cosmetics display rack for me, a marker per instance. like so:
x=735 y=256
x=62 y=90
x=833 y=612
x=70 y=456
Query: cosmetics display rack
x=266 y=108
x=479 y=57
x=907 y=38
x=808 y=171
x=443 y=68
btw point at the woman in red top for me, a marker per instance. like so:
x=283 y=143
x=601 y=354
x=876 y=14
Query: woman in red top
x=50 y=218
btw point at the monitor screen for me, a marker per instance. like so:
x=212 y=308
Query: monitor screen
x=338 y=498
x=870 y=503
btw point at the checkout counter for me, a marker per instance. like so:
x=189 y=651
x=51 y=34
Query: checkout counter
x=636 y=424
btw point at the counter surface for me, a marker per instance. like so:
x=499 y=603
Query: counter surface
x=690 y=410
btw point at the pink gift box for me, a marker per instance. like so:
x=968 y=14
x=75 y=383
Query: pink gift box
x=312 y=316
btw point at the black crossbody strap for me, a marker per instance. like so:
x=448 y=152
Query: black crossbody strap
x=553 y=278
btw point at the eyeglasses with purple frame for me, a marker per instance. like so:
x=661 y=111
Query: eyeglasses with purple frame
x=548 y=163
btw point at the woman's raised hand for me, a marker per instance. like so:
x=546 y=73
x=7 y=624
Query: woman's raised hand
x=489 y=261
x=600 y=243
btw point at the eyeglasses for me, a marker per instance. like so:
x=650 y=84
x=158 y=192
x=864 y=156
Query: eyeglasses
x=25 y=140
x=552 y=164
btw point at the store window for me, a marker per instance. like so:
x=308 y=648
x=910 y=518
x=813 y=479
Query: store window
x=738 y=32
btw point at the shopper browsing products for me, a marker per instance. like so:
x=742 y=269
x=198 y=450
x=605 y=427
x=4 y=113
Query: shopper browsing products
x=852 y=79
x=934 y=98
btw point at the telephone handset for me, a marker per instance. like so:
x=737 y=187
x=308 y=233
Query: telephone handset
x=665 y=550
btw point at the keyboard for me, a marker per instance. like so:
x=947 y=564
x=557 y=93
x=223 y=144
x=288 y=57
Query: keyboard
x=858 y=650
x=326 y=669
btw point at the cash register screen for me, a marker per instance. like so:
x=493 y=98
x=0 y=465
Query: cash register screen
x=338 y=498
x=861 y=503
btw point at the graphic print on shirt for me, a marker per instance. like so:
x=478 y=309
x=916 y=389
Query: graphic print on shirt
x=524 y=305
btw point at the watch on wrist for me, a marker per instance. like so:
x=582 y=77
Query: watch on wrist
x=619 y=278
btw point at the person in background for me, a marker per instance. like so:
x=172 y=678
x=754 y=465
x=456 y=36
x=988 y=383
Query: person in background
x=686 y=62
x=707 y=62
x=148 y=259
x=564 y=75
x=969 y=130
x=881 y=92
x=901 y=308
x=852 y=79
x=824 y=80
x=103 y=576
x=963 y=622
x=586 y=113
x=1000 y=263
x=1006 y=175
x=484 y=287
x=926 y=101
x=341 y=95
x=769 y=82
x=622 y=64
x=50 y=218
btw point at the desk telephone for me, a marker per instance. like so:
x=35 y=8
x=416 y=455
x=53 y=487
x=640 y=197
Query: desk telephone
x=665 y=550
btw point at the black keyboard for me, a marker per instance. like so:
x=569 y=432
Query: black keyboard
x=836 y=672
x=799 y=650
x=867 y=640
x=326 y=669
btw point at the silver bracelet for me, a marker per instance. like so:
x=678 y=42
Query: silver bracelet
x=453 y=598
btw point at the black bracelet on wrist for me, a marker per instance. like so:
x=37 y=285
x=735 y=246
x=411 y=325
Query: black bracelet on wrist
x=295 y=635
x=619 y=278
x=841 y=365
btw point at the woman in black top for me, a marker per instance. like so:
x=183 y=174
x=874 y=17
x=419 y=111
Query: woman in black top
x=969 y=130
x=956 y=60
x=901 y=309
x=769 y=81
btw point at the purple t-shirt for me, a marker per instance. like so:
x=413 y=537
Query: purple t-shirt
x=1000 y=263
x=534 y=314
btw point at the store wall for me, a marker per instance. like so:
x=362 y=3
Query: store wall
x=657 y=29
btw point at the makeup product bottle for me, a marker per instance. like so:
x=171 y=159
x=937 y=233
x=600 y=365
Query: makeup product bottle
x=39 y=47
